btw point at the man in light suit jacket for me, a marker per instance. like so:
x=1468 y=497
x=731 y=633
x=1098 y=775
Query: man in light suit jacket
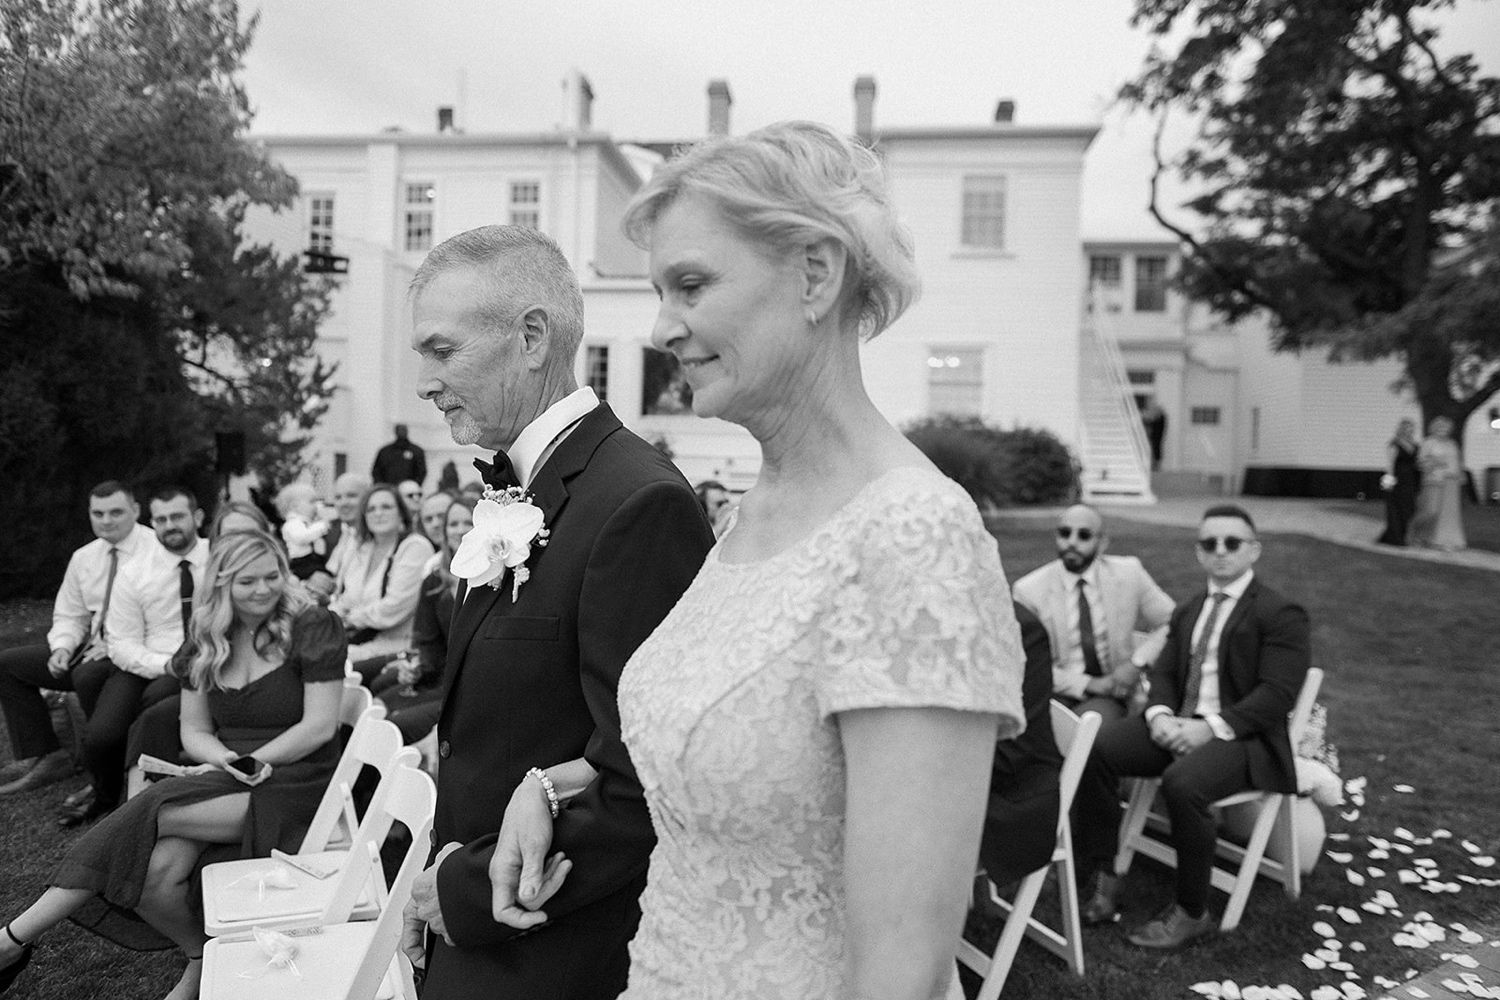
x=1092 y=605
x=529 y=735
x=1216 y=724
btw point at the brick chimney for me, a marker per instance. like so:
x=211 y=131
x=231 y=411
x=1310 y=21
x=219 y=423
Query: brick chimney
x=864 y=108
x=445 y=120
x=718 y=107
x=1005 y=112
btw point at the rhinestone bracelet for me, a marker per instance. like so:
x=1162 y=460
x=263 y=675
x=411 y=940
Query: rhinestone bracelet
x=541 y=776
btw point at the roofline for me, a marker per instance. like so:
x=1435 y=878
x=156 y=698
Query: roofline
x=1085 y=133
x=1131 y=243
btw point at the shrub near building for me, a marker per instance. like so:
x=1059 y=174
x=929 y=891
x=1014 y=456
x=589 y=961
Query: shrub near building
x=1021 y=467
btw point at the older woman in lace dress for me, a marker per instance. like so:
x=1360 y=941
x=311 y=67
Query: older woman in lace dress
x=814 y=721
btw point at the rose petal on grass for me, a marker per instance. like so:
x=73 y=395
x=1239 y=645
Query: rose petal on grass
x=1376 y=872
x=1484 y=862
x=1327 y=993
x=1324 y=929
x=1471 y=937
x=1209 y=989
x=1313 y=962
x=1356 y=946
x=1408 y=877
x=1442 y=834
x=1339 y=857
x=1349 y=916
x=1326 y=955
x=1350 y=816
x=1470 y=846
x=1403 y=789
x=1403 y=833
x=1354 y=877
x=1467 y=961
x=1341 y=836
x=1288 y=991
x=1370 y=906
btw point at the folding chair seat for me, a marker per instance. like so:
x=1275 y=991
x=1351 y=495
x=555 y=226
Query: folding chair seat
x=337 y=960
x=1142 y=819
x=1075 y=738
x=235 y=896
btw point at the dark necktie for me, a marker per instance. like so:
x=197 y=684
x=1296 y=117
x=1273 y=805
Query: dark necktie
x=1091 y=662
x=185 y=592
x=109 y=586
x=1200 y=653
x=501 y=475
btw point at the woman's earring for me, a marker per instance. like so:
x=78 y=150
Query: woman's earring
x=811 y=316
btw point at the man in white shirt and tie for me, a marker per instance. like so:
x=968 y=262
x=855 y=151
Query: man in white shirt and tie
x=1216 y=724
x=1092 y=604
x=76 y=641
x=147 y=620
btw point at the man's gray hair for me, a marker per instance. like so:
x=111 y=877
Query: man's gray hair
x=525 y=268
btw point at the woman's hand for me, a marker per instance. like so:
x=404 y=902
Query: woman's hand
x=408 y=671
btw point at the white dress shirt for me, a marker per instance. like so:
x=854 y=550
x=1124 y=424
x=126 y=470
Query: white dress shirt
x=75 y=613
x=540 y=439
x=1072 y=663
x=144 y=627
x=1209 y=704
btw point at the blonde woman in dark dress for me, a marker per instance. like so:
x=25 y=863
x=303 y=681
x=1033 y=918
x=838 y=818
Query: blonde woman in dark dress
x=262 y=672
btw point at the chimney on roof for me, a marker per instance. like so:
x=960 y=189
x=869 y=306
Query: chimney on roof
x=584 y=122
x=1005 y=112
x=445 y=120
x=718 y=107
x=864 y=108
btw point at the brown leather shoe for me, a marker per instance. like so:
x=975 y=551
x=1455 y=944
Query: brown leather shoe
x=1173 y=928
x=54 y=767
x=1100 y=907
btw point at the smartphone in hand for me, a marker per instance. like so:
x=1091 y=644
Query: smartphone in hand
x=249 y=770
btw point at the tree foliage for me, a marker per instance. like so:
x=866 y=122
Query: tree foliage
x=1341 y=159
x=135 y=321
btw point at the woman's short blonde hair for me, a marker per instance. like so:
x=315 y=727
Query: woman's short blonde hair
x=789 y=186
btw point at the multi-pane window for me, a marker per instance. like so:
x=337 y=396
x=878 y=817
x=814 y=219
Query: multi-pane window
x=420 y=197
x=526 y=204
x=1104 y=269
x=1140 y=376
x=320 y=223
x=596 y=370
x=955 y=381
x=1204 y=416
x=984 y=212
x=1150 y=284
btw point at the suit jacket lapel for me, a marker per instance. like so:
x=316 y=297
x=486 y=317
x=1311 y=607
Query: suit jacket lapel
x=1242 y=609
x=549 y=492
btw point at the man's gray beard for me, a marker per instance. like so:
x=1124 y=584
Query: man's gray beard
x=465 y=430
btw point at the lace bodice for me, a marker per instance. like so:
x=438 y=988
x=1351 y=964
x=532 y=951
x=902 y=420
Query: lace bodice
x=730 y=709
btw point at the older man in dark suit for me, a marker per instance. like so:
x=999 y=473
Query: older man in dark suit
x=1216 y=724
x=529 y=737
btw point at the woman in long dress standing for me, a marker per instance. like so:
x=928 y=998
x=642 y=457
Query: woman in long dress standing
x=814 y=722
x=1438 y=523
x=1400 y=483
x=262 y=670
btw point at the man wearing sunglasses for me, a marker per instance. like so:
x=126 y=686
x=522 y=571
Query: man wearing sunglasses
x=1234 y=660
x=1092 y=604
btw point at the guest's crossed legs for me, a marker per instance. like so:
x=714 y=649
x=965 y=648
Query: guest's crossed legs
x=1189 y=785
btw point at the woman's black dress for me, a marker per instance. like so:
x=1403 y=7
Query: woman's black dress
x=111 y=858
x=1401 y=501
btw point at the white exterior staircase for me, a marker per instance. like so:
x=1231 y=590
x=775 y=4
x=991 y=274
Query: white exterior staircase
x=1112 y=444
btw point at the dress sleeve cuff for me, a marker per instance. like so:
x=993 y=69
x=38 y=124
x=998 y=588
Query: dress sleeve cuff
x=1156 y=710
x=1220 y=727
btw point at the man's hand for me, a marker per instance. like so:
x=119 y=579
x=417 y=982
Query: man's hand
x=1191 y=734
x=57 y=662
x=1123 y=681
x=1100 y=687
x=522 y=877
x=1163 y=728
x=423 y=911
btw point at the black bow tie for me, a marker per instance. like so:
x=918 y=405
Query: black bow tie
x=501 y=475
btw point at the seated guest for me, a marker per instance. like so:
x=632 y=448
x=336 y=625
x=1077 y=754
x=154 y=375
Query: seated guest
x=410 y=492
x=145 y=625
x=306 y=536
x=433 y=517
x=343 y=534
x=379 y=581
x=414 y=692
x=1020 y=825
x=76 y=640
x=1234 y=661
x=717 y=504
x=262 y=673
x=237 y=515
x=1092 y=604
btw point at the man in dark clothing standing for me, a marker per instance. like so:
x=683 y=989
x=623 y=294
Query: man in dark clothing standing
x=400 y=460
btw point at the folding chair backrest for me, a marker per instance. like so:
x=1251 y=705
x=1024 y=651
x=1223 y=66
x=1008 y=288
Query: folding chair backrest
x=1075 y=738
x=375 y=742
x=354 y=701
x=412 y=800
x=1302 y=711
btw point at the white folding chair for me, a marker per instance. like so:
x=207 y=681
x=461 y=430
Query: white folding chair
x=234 y=897
x=1271 y=809
x=337 y=960
x=1075 y=738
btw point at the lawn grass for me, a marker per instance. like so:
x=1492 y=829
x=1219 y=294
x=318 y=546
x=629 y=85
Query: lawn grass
x=1412 y=655
x=1481 y=521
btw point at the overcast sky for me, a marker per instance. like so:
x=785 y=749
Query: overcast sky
x=353 y=66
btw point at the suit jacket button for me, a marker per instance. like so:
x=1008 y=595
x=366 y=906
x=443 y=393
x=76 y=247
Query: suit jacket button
x=432 y=838
x=445 y=750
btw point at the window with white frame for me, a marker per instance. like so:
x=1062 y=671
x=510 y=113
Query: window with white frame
x=1204 y=416
x=596 y=370
x=955 y=381
x=526 y=204
x=320 y=222
x=1151 y=284
x=984 y=212
x=419 y=201
x=1140 y=376
x=1104 y=269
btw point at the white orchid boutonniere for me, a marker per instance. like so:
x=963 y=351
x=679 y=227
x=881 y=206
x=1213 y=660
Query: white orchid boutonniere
x=506 y=525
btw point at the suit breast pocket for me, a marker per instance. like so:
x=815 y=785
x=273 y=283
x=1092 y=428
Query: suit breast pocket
x=520 y=627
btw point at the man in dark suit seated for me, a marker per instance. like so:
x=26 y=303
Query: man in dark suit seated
x=1020 y=825
x=1234 y=661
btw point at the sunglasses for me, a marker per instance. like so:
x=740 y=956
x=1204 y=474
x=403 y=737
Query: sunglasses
x=1084 y=534
x=1230 y=543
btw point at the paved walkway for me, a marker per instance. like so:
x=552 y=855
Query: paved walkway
x=1297 y=516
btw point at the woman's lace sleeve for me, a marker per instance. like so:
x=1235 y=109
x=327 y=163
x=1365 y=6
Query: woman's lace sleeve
x=319 y=646
x=923 y=616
